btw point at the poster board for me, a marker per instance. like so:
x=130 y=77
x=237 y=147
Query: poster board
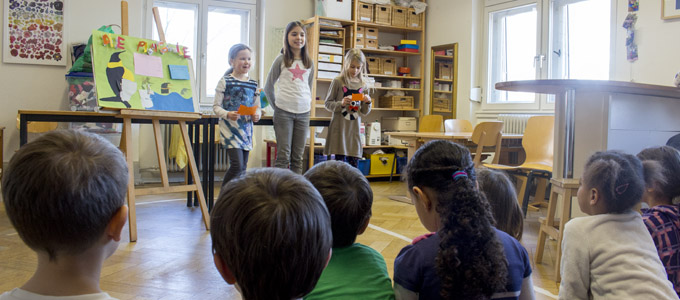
x=33 y=32
x=139 y=73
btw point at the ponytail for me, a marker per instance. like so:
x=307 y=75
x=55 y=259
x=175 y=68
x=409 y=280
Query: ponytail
x=471 y=260
x=669 y=160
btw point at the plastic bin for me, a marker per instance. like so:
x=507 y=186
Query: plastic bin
x=364 y=165
x=81 y=92
x=401 y=163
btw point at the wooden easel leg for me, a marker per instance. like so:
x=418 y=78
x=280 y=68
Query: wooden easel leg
x=160 y=153
x=126 y=142
x=194 y=174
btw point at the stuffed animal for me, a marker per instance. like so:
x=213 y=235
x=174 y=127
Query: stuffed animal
x=350 y=111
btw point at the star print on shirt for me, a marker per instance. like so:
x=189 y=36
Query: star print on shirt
x=297 y=72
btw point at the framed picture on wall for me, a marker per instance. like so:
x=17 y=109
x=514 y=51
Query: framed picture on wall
x=670 y=9
x=34 y=32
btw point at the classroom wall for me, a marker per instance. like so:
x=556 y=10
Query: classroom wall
x=38 y=87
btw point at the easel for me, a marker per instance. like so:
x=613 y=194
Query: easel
x=156 y=116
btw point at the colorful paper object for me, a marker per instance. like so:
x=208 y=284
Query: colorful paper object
x=247 y=110
x=357 y=97
x=122 y=82
x=179 y=72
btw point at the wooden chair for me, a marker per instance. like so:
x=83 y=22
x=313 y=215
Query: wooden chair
x=538 y=145
x=567 y=188
x=431 y=123
x=457 y=125
x=487 y=134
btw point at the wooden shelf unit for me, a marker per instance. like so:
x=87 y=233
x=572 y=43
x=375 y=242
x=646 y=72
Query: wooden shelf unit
x=448 y=96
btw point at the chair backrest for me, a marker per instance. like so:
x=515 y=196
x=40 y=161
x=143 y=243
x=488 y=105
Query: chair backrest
x=431 y=123
x=538 y=139
x=487 y=134
x=457 y=125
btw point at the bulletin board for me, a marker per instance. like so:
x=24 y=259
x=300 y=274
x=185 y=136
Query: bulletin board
x=139 y=73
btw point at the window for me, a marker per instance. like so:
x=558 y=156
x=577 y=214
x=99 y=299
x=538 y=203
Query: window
x=517 y=45
x=209 y=28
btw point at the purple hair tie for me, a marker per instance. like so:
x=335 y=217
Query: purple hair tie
x=621 y=188
x=459 y=174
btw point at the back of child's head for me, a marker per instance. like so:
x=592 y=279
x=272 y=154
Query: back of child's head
x=355 y=55
x=62 y=189
x=674 y=142
x=500 y=192
x=619 y=178
x=272 y=230
x=348 y=196
x=233 y=52
x=669 y=159
x=471 y=261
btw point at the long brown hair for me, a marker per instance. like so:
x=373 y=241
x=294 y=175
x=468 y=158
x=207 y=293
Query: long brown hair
x=288 y=56
x=502 y=197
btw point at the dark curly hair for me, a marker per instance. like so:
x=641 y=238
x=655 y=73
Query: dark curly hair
x=471 y=260
x=620 y=178
x=669 y=158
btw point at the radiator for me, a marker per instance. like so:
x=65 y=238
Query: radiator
x=514 y=123
x=221 y=161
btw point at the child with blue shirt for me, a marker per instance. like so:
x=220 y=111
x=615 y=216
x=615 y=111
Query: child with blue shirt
x=233 y=90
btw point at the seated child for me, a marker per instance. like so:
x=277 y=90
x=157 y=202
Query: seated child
x=500 y=193
x=467 y=258
x=662 y=218
x=609 y=254
x=65 y=195
x=271 y=234
x=355 y=270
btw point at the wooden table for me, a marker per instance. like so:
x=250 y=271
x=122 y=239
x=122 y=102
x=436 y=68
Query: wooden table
x=416 y=139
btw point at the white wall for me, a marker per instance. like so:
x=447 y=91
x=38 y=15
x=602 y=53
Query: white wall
x=37 y=87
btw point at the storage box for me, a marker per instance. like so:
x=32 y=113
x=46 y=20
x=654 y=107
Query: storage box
x=443 y=70
x=399 y=123
x=401 y=163
x=81 y=92
x=371 y=44
x=388 y=66
x=374 y=65
x=396 y=102
x=373 y=134
x=364 y=165
x=339 y=9
x=408 y=48
x=330 y=58
x=324 y=66
x=365 y=12
x=382 y=164
x=360 y=43
x=327 y=74
x=330 y=49
x=440 y=105
x=392 y=141
x=414 y=20
x=399 y=16
x=371 y=33
x=383 y=14
x=361 y=30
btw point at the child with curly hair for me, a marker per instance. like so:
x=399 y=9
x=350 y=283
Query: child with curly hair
x=466 y=257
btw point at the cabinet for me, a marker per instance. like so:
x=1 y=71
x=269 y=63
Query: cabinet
x=444 y=80
x=387 y=66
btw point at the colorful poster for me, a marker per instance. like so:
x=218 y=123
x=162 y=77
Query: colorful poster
x=132 y=72
x=34 y=32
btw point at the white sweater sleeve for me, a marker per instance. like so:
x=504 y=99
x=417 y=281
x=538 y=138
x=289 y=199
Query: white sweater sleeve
x=575 y=263
x=219 y=97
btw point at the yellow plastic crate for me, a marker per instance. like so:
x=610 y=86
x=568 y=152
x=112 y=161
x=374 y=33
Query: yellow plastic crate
x=382 y=163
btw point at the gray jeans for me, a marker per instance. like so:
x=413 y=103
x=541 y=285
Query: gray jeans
x=238 y=161
x=291 y=135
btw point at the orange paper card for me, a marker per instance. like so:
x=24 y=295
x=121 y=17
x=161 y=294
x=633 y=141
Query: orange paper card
x=247 y=110
x=357 y=97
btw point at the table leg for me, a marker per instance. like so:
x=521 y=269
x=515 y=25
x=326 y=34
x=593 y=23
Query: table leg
x=211 y=164
x=23 y=130
x=205 y=160
x=187 y=178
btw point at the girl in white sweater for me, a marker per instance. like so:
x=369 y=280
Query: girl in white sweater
x=609 y=254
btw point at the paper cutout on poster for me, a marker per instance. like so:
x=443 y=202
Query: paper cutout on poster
x=148 y=65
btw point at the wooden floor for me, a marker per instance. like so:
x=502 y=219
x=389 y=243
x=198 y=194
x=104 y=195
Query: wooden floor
x=172 y=257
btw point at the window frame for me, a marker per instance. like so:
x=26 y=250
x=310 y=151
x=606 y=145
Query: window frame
x=199 y=55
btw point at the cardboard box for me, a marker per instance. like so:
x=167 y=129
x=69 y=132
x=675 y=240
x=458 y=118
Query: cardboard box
x=399 y=123
x=373 y=134
x=414 y=20
x=440 y=105
x=360 y=43
x=383 y=14
x=330 y=58
x=446 y=71
x=399 y=16
x=339 y=9
x=374 y=65
x=371 y=44
x=330 y=49
x=361 y=31
x=365 y=12
x=396 y=102
x=371 y=33
x=382 y=164
x=388 y=65
x=392 y=141
x=324 y=66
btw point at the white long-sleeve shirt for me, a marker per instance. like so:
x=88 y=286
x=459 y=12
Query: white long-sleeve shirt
x=611 y=256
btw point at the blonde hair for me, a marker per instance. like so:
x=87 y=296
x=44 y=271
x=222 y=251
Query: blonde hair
x=358 y=56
